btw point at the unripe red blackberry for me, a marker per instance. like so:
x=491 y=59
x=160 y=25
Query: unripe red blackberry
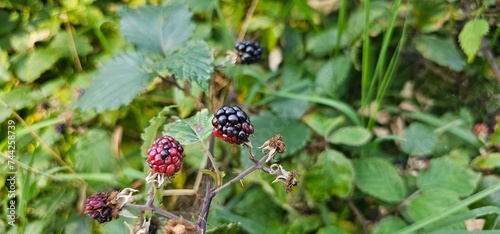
x=165 y=155
x=99 y=207
x=232 y=125
x=248 y=51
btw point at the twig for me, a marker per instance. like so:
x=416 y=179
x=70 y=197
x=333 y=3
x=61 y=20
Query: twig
x=485 y=49
x=152 y=208
x=359 y=215
x=207 y=200
x=248 y=17
x=74 y=51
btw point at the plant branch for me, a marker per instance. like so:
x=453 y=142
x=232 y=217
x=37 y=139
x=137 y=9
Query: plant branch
x=485 y=49
x=359 y=215
x=248 y=17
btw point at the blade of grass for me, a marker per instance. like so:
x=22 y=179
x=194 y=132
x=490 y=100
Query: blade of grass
x=389 y=73
x=440 y=216
x=342 y=107
x=365 y=66
x=341 y=25
x=468 y=215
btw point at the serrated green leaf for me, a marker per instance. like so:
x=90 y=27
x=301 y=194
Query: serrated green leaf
x=191 y=130
x=157 y=29
x=485 y=162
x=331 y=78
x=93 y=152
x=117 y=82
x=420 y=140
x=193 y=61
x=350 y=135
x=470 y=37
x=429 y=203
x=333 y=174
x=388 y=225
x=442 y=51
x=380 y=179
x=446 y=174
x=321 y=124
x=149 y=134
x=31 y=67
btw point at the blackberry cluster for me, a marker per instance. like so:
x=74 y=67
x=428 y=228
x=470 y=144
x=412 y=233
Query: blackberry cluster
x=165 y=155
x=232 y=125
x=248 y=51
x=97 y=208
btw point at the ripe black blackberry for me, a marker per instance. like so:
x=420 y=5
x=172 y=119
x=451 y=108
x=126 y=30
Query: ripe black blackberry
x=232 y=125
x=248 y=51
x=165 y=155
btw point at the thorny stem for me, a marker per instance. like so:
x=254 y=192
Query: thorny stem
x=202 y=223
x=210 y=194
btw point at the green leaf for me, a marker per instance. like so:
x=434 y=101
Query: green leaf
x=117 y=82
x=323 y=42
x=150 y=132
x=486 y=162
x=420 y=140
x=471 y=35
x=289 y=108
x=388 y=225
x=157 y=29
x=62 y=41
x=4 y=66
x=321 y=124
x=191 y=130
x=431 y=202
x=18 y=98
x=442 y=51
x=193 y=62
x=295 y=133
x=29 y=68
x=446 y=174
x=93 y=152
x=332 y=77
x=333 y=174
x=489 y=181
x=380 y=179
x=350 y=135
x=330 y=230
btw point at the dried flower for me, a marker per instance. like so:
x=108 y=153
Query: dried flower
x=289 y=178
x=274 y=145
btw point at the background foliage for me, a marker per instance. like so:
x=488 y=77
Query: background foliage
x=378 y=120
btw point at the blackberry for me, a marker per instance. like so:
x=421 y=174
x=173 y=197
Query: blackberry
x=100 y=208
x=232 y=125
x=248 y=51
x=165 y=155
x=61 y=128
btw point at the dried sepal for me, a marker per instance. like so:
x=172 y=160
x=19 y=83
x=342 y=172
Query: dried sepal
x=274 y=145
x=289 y=178
x=179 y=226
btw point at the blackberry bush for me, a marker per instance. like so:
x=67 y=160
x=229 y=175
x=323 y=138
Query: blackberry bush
x=248 y=51
x=232 y=125
x=165 y=155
